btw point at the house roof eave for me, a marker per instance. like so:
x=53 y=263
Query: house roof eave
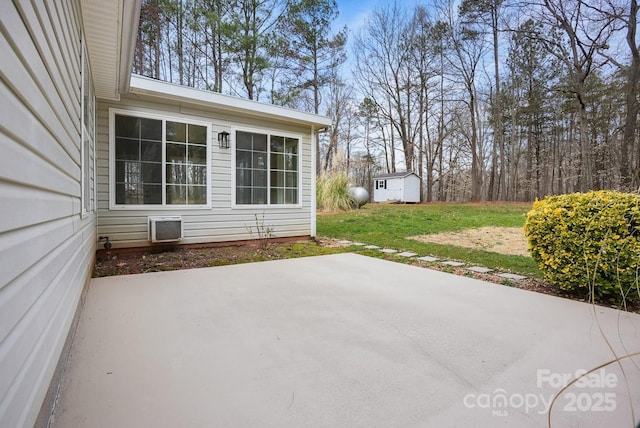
x=164 y=90
x=110 y=32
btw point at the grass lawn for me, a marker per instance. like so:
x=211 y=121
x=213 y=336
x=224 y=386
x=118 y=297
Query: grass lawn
x=389 y=226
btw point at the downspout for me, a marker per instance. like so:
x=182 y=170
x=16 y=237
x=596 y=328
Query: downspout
x=314 y=155
x=314 y=139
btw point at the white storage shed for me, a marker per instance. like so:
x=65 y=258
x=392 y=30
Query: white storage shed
x=396 y=187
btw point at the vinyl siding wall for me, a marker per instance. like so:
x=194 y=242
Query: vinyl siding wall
x=47 y=245
x=222 y=222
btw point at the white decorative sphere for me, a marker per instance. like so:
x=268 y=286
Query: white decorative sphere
x=359 y=195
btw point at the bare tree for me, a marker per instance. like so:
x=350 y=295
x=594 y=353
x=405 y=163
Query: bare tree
x=626 y=14
x=148 y=45
x=630 y=172
x=383 y=72
x=340 y=96
x=428 y=48
x=584 y=36
x=476 y=15
x=467 y=52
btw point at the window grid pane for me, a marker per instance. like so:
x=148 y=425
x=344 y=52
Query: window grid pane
x=266 y=174
x=251 y=168
x=187 y=173
x=139 y=163
x=284 y=170
x=138 y=177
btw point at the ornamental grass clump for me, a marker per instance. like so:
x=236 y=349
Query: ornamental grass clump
x=588 y=243
x=332 y=192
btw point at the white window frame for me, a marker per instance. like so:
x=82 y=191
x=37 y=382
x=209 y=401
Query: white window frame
x=269 y=133
x=85 y=163
x=112 y=160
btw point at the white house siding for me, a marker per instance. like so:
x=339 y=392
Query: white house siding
x=46 y=244
x=221 y=222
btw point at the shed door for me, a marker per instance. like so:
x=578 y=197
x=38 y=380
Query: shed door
x=395 y=190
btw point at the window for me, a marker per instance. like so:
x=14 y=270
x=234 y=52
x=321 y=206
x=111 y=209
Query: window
x=186 y=166
x=284 y=170
x=267 y=169
x=88 y=136
x=160 y=161
x=381 y=184
x=251 y=168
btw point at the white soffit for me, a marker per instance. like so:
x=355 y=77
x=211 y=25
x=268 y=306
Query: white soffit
x=110 y=28
x=164 y=90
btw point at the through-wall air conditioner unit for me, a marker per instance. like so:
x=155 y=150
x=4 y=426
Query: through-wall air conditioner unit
x=165 y=229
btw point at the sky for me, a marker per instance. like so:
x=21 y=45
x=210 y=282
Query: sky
x=354 y=13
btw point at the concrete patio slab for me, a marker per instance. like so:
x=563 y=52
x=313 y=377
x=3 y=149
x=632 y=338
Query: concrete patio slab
x=429 y=259
x=341 y=341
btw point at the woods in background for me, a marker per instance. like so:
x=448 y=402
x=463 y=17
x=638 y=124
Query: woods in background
x=484 y=99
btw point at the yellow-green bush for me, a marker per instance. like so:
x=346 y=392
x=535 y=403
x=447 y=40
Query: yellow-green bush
x=332 y=192
x=588 y=243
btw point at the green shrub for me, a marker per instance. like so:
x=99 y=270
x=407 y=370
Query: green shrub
x=588 y=243
x=332 y=192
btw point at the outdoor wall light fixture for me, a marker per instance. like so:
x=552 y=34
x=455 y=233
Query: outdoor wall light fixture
x=223 y=140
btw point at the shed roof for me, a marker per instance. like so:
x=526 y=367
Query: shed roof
x=396 y=175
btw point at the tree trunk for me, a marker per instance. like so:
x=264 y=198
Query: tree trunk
x=630 y=178
x=529 y=161
x=498 y=131
x=586 y=162
x=179 y=47
x=476 y=161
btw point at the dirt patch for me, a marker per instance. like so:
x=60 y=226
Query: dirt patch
x=503 y=240
x=143 y=260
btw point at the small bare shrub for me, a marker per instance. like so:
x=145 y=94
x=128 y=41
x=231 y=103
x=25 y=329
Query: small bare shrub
x=263 y=231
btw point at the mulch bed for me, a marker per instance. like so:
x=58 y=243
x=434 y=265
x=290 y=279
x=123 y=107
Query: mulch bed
x=143 y=261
